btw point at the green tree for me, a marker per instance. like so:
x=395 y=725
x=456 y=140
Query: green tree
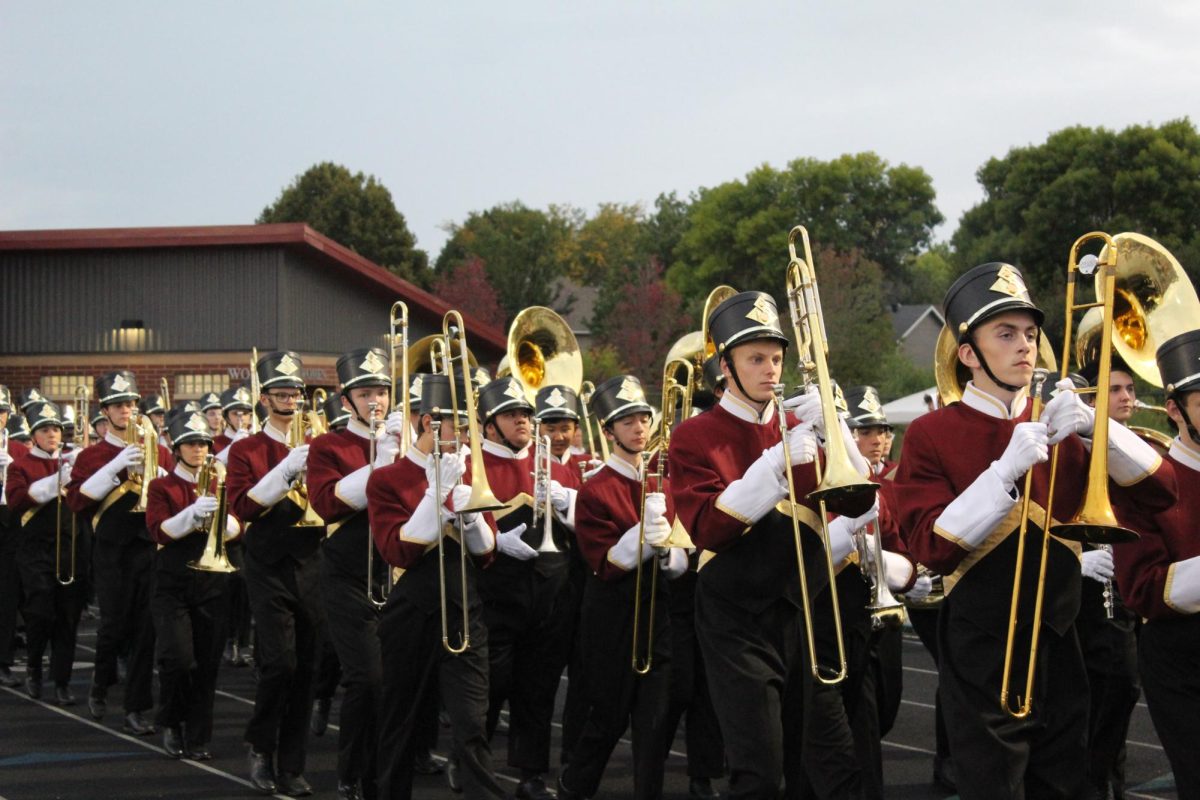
x=354 y=210
x=526 y=251
x=736 y=233
x=930 y=275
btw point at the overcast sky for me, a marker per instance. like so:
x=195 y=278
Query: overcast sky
x=172 y=113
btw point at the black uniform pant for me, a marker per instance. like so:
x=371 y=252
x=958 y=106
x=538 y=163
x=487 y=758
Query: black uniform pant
x=689 y=687
x=351 y=625
x=237 y=597
x=51 y=610
x=925 y=623
x=528 y=646
x=754 y=676
x=1169 y=658
x=124 y=572
x=415 y=666
x=1042 y=756
x=191 y=613
x=575 y=705
x=886 y=671
x=284 y=597
x=10 y=591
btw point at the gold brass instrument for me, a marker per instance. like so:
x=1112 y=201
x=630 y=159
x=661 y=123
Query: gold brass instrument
x=543 y=512
x=482 y=498
x=211 y=480
x=886 y=611
x=298 y=428
x=140 y=431
x=166 y=396
x=1155 y=438
x=465 y=637
x=4 y=474
x=641 y=664
x=319 y=398
x=82 y=440
x=838 y=481
x=420 y=356
x=398 y=319
x=543 y=351
x=936 y=594
x=697 y=347
x=376 y=597
x=952 y=376
x=587 y=389
x=255 y=390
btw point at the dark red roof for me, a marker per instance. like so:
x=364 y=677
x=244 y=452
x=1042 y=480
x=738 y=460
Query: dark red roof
x=290 y=234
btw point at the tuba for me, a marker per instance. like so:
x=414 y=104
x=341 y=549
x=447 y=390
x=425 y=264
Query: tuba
x=542 y=351
x=211 y=480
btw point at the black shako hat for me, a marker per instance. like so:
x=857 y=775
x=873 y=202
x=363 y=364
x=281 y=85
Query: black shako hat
x=151 y=404
x=210 y=400
x=188 y=426
x=745 y=317
x=502 y=394
x=280 y=369
x=865 y=408
x=556 y=403
x=983 y=292
x=335 y=415
x=28 y=398
x=1179 y=363
x=5 y=398
x=181 y=408
x=367 y=366
x=117 y=387
x=236 y=400
x=435 y=393
x=43 y=413
x=18 y=427
x=1091 y=370
x=619 y=397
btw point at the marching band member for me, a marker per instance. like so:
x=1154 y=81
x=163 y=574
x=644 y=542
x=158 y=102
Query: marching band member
x=1159 y=576
x=152 y=407
x=336 y=415
x=35 y=497
x=189 y=605
x=609 y=527
x=210 y=407
x=407 y=518
x=122 y=555
x=557 y=409
x=959 y=489
x=523 y=591
x=234 y=408
x=727 y=475
x=281 y=569
x=338 y=469
x=10 y=576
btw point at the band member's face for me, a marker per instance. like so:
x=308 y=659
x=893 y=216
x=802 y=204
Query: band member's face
x=213 y=415
x=361 y=398
x=1189 y=404
x=48 y=437
x=514 y=426
x=119 y=414
x=759 y=365
x=873 y=442
x=235 y=419
x=192 y=453
x=445 y=434
x=101 y=428
x=1009 y=344
x=577 y=437
x=1121 y=396
x=632 y=431
x=3 y=419
x=282 y=403
x=157 y=417
x=562 y=433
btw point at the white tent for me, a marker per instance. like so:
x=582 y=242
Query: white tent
x=904 y=410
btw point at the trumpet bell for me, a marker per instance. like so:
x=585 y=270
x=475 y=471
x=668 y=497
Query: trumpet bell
x=543 y=351
x=210 y=561
x=952 y=376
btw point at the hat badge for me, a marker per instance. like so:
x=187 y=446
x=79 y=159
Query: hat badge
x=870 y=403
x=372 y=363
x=556 y=399
x=630 y=391
x=242 y=395
x=514 y=389
x=415 y=388
x=762 y=313
x=287 y=366
x=35 y=396
x=1008 y=281
x=196 y=423
x=120 y=383
x=47 y=412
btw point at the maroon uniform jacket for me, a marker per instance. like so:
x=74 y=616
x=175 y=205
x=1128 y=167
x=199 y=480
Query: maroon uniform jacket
x=749 y=564
x=393 y=494
x=332 y=457
x=1145 y=568
x=116 y=523
x=944 y=453
x=17 y=450
x=168 y=496
x=34 y=520
x=269 y=532
x=575 y=464
x=608 y=506
x=221 y=441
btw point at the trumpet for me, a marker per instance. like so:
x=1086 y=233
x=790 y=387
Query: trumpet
x=838 y=484
x=886 y=611
x=543 y=512
x=140 y=431
x=211 y=480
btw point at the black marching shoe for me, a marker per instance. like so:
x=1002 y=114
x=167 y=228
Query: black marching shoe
x=293 y=784
x=533 y=788
x=62 y=695
x=423 y=763
x=173 y=742
x=319 y=720
x=453 y=778
x=564 y=793
x=198 y=752
x=702 y=789
x=136 y=724
x=8 y=679
x=349 y=791
x=97 y=703
x=262 y=775
x=33 y=687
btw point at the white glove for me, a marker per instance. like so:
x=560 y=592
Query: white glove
x=674 y=562
x=802 y=447
x=921 y=588
x=394 y=424
x=1066 y=413
x=386 y=449
x=69 y=456
x=205 y=504
x=841 y=538
x=1028 y=446
x=64 y=471
x=1097 y=565
x=807 y=408
x=452 y=468
x=5 y=459
x=130 y=456
x=294 y=463
x=560 y=497
x=459 y=497
x=509 y=543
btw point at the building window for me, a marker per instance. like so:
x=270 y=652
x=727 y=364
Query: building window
x=191 y=387
x=61 y=388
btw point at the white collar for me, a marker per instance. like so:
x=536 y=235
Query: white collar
x=744 y=411
x=40 y=453
x=417 y=457
x=182 y=472
x=273 y=433
x=984 y=403
x=1185 y=454
x=566 y=458
x=230 y=432
x=356 y=427
x=113 y=439
x=623 y=468
x=502 y=451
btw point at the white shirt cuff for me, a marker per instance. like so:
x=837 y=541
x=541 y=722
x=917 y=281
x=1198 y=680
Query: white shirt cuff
x=975 y=513
x=1182 y=591
x=352 y=489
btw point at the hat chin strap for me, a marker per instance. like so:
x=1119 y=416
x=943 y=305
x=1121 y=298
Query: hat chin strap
x=742 y=389
x=988 y=370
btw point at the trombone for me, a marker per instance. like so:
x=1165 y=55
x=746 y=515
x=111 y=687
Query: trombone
x=837 y=483
x=82 y=439
x=397 y=319
x=211 y=480
x=586 y=390
x=255 y=390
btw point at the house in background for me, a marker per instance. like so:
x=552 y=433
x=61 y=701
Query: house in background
x=916 y=328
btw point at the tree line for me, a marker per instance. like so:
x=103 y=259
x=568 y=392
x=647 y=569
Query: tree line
x=648 y=270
